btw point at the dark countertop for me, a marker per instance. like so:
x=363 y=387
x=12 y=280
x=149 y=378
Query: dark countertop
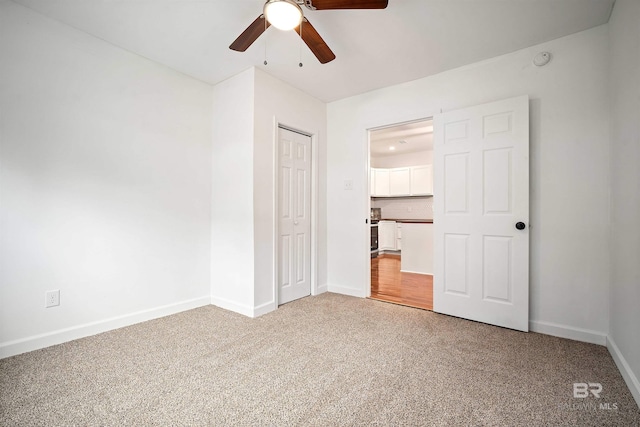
x=410 y=221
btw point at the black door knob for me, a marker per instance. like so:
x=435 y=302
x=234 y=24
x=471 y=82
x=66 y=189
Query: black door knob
x=520 y=225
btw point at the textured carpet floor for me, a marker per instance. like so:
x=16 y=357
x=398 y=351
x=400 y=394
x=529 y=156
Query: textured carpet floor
x=327 y=360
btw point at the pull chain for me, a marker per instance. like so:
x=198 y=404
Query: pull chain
x=300 y=45
x=265 y=41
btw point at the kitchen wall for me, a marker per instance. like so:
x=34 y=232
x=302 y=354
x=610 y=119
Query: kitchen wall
x=569 y=144
x=624 y=338
x=401 y=160
x=105 y=184
x=404 y=208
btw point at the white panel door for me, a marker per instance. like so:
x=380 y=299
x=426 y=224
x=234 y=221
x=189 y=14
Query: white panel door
x=481 y=213
x=294 y=228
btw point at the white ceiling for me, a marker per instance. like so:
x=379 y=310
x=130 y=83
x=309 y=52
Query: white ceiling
x=374 y=48
x=405 y=138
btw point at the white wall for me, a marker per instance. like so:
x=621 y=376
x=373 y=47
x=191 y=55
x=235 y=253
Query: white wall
x=624 y=338
x=246 y=111
x=569 y=170
x=401 y=160
x=404 y=207
x=105 y=187
x=232 y=238
x=278 y=102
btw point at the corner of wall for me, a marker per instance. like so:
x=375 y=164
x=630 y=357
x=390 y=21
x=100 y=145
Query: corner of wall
x=568 y=332
x=625 y=369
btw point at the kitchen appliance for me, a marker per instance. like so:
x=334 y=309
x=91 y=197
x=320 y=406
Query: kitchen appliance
x=376 y=215
x=374 y=239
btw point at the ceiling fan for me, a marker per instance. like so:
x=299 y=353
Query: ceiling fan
x=287 y=15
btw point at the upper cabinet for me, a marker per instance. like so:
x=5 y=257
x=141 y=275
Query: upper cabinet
x=402 y=182
x=380 y=185
x=422 y=180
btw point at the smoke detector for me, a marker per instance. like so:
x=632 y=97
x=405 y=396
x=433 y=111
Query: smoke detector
x=541 y=59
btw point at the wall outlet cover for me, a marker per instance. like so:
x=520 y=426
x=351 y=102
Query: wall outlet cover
x=52 y=298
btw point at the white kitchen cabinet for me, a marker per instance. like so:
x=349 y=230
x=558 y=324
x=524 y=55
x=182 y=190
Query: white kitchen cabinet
x=422 y=180
x=417 y=248
x=372 y=182
x=381 y=182
x=387 y=235
x=400 y=182
x=399 y=236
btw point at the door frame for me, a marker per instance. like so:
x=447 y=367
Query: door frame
x=277 y=124
x=367 y=172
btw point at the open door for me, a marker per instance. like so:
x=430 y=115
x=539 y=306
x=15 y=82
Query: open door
x=481 y=213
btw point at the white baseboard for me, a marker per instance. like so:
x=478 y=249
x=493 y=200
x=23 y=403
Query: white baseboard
x=232 y=306
x=360 y=293
x=320 y=290
x=629 y=377
x=563 y=331
x=264 y=308
x=245 y=310
x=36 y=342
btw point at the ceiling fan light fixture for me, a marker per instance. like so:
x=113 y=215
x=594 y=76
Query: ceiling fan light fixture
x=283 y=14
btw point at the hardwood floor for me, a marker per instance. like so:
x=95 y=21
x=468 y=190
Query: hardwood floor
x=390 y=285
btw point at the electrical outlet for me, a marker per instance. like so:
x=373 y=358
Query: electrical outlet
x=52 y=298
x=348 y=184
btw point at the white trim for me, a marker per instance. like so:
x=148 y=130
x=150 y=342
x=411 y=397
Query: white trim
x=265 y=308
x=629 y=377
x=416 y=272
x=367 y=172
x=60 y=336
x=353 y=292
x=314 y=212
x=245 y=310
x=569 y=332
x=321 y=289
x=232 y=306
x=274 y=204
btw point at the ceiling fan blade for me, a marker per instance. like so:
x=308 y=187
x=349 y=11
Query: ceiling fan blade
x=250 y=35
x=315 y=42
x=346 y=4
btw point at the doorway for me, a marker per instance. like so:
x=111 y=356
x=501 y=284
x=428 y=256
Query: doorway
x=294 y=215
x=481 y=233
x=401 y=202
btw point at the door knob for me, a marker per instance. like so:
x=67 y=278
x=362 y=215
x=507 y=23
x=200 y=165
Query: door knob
x=520 y=225
x=295 y=222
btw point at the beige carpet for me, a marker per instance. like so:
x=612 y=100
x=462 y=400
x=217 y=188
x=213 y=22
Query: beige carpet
x=327 y=360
